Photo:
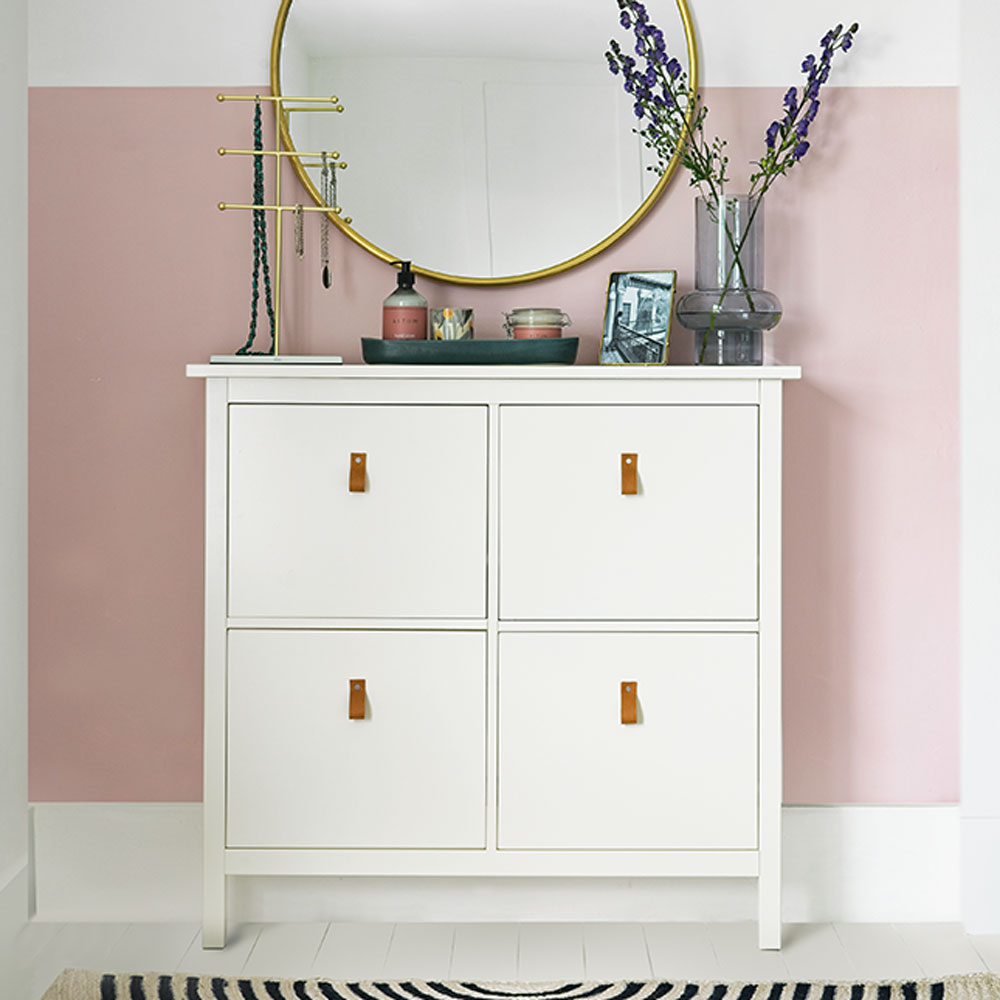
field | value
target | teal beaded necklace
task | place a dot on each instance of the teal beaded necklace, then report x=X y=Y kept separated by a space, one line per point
x=259 y=242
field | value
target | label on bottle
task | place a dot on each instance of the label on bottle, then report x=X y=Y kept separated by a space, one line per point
x=404 y=323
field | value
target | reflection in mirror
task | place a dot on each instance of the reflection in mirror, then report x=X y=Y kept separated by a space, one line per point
x=485 y=141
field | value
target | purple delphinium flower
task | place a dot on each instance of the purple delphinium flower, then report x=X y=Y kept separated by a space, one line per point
x=799 y=116
x=672 y=117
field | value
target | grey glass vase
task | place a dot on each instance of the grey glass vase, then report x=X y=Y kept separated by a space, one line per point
x=729 y=310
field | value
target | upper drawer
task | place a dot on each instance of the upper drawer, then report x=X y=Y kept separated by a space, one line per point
x=575 y=544
x=412 y=543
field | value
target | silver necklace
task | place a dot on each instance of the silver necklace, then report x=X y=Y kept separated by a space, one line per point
x=300 y=242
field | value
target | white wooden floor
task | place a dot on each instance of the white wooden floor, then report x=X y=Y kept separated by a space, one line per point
x=507 y=952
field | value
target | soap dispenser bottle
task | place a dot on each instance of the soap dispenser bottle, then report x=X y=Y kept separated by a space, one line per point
x=404 y=312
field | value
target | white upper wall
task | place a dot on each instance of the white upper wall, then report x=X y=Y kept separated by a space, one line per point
x=13 y=443
x=980 y=463
x=902 y=43
x=130 y=43
x=124 y=43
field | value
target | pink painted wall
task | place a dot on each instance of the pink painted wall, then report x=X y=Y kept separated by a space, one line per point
x=134 y=273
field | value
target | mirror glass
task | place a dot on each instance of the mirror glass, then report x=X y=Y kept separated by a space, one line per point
x=487 y=142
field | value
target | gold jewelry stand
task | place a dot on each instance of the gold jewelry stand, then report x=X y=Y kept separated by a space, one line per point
x=283 y=106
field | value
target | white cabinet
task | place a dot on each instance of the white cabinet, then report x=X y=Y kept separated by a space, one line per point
x=492 y=621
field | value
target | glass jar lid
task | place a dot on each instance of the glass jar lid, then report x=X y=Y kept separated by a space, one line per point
x=537 y=316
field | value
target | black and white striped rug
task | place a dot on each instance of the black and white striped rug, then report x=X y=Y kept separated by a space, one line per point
x=78 y=984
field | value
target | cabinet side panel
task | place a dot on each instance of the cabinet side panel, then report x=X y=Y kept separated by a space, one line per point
x=214 y=765
x=770 y=666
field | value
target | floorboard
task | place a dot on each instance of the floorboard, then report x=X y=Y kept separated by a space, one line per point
x=485 y=951
x=682 y=951
x=153 y=947
x=988 y=949
x=353 y=951
x=878 y=951
x=284 y=951
x=615 y=951
x=941 y=949
x=815 y=951
x=420 y=951
x=228 y=961
x=550 y=951
x=739 y=956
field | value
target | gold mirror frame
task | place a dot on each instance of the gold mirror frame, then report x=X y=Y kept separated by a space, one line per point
x=458 y=279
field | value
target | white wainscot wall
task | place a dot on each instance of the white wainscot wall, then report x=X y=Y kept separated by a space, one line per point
x=198 y=43
x=142 y=861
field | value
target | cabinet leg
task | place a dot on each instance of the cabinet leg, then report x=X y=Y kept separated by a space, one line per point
x=213 y=924
x=769 y=910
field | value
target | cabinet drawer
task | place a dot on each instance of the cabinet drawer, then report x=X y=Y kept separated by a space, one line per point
x=411 y=543
x=573 y=545
x=572 y=775
x=410 y=773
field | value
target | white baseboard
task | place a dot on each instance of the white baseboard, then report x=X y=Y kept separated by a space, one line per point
x=13 y=914
x=981 y=874
x=142 y=861
x=13 y=876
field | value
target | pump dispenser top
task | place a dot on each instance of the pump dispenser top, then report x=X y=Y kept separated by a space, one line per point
x=404 y=312
x=406 y=277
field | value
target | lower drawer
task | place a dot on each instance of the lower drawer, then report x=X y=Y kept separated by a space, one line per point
x=572 y=775
x=411 y=773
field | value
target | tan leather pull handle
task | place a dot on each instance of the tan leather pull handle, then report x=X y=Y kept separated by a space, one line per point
x=630 y=473
x=359 y=462
x=356 y=710
x=630 y=714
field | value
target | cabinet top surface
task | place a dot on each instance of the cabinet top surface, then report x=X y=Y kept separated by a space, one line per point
x=303 y=369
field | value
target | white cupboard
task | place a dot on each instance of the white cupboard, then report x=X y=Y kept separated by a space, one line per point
x=492 y=621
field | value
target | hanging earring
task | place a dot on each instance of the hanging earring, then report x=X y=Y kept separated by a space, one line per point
x=300 y=243
x=327 y=190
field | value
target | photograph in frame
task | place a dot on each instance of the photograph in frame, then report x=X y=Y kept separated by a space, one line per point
x=637 y=318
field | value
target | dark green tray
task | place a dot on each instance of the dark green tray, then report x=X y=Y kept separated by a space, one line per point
x=540 y=351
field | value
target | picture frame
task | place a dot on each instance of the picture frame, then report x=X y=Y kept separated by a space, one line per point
x=637 y=316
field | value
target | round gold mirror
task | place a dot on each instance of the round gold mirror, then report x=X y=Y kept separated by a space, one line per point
x=485 y=142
